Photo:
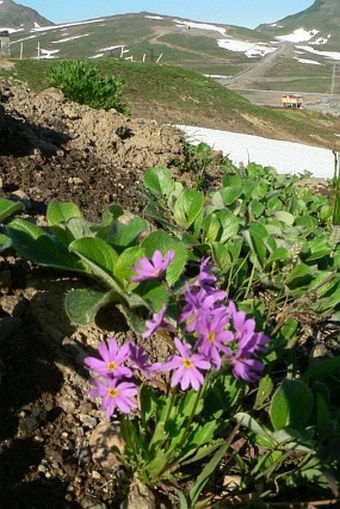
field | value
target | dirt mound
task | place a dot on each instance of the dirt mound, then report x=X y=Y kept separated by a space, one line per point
x=53 y=148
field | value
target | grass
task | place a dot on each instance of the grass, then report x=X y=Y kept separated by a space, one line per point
x=183 y=96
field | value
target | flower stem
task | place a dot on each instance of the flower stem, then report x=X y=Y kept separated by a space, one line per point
x=191 y=418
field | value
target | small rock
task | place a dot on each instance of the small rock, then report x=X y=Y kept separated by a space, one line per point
x=92 y=503
x=102 y=439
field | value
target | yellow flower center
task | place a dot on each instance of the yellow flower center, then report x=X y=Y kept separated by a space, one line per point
x=113 y=393
x=187 y=363
x=111 y=366
x=155 y=272
x=211 y=337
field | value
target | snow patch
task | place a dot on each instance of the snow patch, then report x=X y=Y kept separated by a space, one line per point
x=250 y=49
x=200 y=26
x=99 y=55
x=23 y=39
x=284 y=156
x=66 y=25
x=307 y=61
x=154 y=17
x=67 y=39
x=36 y=25
x=299 y=35
x=11 y=30
x=333 y=55
x=47 y=54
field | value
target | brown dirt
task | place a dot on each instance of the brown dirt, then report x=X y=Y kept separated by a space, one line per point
x=50 y=431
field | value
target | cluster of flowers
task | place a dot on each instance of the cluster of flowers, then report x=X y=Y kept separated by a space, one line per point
x=216 y=334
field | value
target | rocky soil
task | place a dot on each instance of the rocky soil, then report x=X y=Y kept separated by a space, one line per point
x=55 y=443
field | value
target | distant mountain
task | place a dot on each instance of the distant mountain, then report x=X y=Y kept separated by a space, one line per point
x=13 y=15
x=298 y=52
x=318 y=25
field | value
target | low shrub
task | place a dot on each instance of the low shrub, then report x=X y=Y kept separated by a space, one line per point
x=82 y=83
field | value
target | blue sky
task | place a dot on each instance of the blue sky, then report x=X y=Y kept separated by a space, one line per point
x=246 y=13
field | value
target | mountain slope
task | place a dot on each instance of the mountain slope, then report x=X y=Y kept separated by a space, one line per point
x=320 y=22
x=15 y=16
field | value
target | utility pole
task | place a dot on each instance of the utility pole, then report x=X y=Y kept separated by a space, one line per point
x=333 y=80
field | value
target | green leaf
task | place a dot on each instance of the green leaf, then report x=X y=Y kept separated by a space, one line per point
x=123 y=265
x=99 y=256
x=322 y=399
x=5 y=242
x=301 y=275
x=61 y=212
x=154 y=293
x=159 y=180
x=9 y=207
x=164 y=242
x=291 y=405
x=279 y=254
x=82 y=305
x=221 y=255
x=318 y=248
x=256 y=208
x=264 y=391
x=284 y=217
x=112 y=213
x=211 y=228
x=187 y=207
x=229 y=224
x=124 y=235
x=230 y=194
x=320 y=369
x=35 y=245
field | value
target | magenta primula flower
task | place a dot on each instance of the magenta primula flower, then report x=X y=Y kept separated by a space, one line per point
x=139 y=358
x=204 y=277
x=186 y=367
x=245 y=363
x=111 y=360
x=156 y=321
x=114 y=394
x=197 y=302
x=154 y=269
x=213 y=335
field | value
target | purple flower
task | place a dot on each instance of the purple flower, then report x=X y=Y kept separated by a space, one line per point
x=139 y=357
x=112 y=358
x=212 y=335
x=114 y=395
x=186 y=367
x=155 y=322
x=204 y=277
x=154 y=269
x=245 y=363
x=196 y=303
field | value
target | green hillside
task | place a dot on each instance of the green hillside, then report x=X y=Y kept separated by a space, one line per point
x=174 y=95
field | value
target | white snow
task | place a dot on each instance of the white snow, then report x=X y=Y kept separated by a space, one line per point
x=154 y=17
x=307 y=61
x=66 y=25
x=99 y=55
x=320 y=41
x=250 y=49
x=1 y=2
x=200 y=26
x=36 y=25
x=67 y=39
x=11 y=30
x=24 y=39
x=299 y=35
x=46 y=53
x=109 y=48
x=286 y=157
x=333 y=55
